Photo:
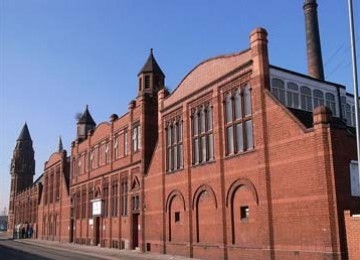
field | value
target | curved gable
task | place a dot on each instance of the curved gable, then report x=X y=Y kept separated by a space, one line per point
x=54 y=158
x=101 y=131
x=206 y=73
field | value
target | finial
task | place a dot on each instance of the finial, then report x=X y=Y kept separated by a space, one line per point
x=87 y=106
x=60 y=145
x=151 y=50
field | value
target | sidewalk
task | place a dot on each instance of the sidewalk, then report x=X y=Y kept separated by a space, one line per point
x=100 y=252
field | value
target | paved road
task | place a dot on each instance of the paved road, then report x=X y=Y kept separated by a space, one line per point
x=41 y=249
x=10 y=249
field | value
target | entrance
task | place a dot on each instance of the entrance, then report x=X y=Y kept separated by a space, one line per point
x=71 y=231
x=135 y=230
x=97 y=231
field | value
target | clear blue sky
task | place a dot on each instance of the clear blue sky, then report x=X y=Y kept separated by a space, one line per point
x=58 y=56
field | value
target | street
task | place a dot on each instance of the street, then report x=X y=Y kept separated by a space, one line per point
x=41 y=249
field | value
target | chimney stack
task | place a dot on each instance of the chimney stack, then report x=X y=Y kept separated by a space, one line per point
x=313 y=45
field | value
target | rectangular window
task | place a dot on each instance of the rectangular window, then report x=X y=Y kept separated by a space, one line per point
x=77 y=205
x=57 y=185
x=126 y=141
x=202 y=137
x=51 y=188
x=116 y=147
x=83 y=203
x=239 y=128
x=147 y=81
x=174 y=147
x=244 y=213
x=107 y=153
x=136 y=138
x=177 y=217
x=106 y=200
x=91 y=197
x=124 y=194
x=46 y=190
x=101 y=154
x=135 y=203
x=114 y=202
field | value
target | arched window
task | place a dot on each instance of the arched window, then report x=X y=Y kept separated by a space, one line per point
x=306 y=99
x=292 y=95
x=247 y=101
x=174 y=148
x=278 y=89
x=330 y=102
x=202 y=136
x=318 y=98
x=239 y=133
x=228 y=108
x=237 y=105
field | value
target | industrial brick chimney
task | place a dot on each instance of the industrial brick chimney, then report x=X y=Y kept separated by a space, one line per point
x=313 y=45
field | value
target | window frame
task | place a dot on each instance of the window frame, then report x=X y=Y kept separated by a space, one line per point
x=232 y=141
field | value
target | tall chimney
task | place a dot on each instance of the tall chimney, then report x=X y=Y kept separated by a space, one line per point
x=313 y=45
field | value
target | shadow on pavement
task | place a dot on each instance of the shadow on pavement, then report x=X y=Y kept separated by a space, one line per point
x=7 y=253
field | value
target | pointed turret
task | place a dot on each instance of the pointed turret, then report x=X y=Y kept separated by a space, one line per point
x=24 y=134
x=85 y=124
x=60 y=145
x=151 y=77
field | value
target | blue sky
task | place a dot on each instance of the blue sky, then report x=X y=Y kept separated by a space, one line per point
x=58 y=56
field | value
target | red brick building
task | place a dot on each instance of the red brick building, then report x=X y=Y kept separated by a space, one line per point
x=54 y=206
x=241 y=161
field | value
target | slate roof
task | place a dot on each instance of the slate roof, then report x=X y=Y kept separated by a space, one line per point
x=24 y=134
x=86 y=117
x=151 y=65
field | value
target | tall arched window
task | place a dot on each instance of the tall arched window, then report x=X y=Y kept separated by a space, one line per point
x=293 y=95
x=306 y=99
x=174 y=147
x=318 y=98
x=278 y=89
x=202 y=136
x=239 y=133
x=331 y=103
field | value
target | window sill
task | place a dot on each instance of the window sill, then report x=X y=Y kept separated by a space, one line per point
x=203 y=164
x=229 y=156
x=175 y=171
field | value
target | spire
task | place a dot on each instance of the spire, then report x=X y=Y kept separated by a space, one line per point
x=86 y=117
x=24 y=135
x=151 y=65
x=60 y=145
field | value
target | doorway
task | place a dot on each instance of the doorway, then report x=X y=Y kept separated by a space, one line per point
x=97 y=231
x=71 y=231
x=135 y=230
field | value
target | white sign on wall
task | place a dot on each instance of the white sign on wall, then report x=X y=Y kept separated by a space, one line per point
x=354 y=179
x=96 y=207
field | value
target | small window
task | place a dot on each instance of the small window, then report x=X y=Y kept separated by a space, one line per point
x=177 y=216
x=244 y=213
x=147 y=81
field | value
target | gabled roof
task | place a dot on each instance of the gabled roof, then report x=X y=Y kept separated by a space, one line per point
x=151 y=65
x=24 y=135
x=86 y=118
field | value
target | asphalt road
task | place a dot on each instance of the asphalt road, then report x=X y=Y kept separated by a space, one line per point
x=10 y=249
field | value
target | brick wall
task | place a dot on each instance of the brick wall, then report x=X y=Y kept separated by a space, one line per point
x=352 y=223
